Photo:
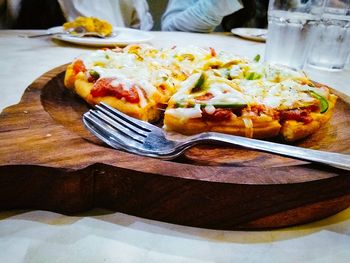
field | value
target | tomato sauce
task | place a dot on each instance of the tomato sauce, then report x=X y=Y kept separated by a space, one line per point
x=78 y=66
x=220 y=114
x=103 y=87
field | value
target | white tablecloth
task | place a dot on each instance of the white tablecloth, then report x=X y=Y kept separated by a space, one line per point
x=106 y=236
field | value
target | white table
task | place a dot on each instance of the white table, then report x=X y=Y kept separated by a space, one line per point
x=105 y=236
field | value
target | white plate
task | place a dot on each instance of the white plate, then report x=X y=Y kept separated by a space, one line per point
x=123 y=36
x=256 y=34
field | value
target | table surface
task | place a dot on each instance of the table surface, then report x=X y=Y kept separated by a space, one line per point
x=106 y=236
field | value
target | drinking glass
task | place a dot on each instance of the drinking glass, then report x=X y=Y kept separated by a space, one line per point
x=331 y=47
x=291 y=30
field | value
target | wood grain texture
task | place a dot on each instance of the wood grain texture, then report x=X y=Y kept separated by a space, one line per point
x=49 y=161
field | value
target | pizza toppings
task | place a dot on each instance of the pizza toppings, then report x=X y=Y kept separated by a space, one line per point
x=93 y=75
x=112 y=87
x=301 y=115
x=218 y=90
x=220 y=114
x=323 y=102
x=206 y=96
x=186 y=113
x=78 y=66
x=212 y=52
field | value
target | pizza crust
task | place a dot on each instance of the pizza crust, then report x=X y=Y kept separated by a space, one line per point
x=69 y=77
x=262 y=128
x=293 y=130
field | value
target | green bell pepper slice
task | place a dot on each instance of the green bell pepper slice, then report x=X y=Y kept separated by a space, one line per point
x=323 y=102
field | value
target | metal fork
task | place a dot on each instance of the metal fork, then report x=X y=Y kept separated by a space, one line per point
x=85 y=34
x=78 y=32
x=132 y=135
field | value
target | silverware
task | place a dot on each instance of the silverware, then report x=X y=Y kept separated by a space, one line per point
x=123 y=132
x=43 y=35
x=259 y=35
x=76 y=32
x=86 y=34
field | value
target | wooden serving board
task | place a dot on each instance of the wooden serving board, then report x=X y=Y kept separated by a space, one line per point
x=49 y=161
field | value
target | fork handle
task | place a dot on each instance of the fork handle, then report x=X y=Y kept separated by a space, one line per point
x=338 y=160
x=43 y=35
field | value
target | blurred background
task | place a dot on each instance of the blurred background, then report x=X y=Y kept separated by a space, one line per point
x=10 y=7
x=157 y=8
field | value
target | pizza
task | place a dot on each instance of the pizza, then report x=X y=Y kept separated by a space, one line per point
x=252 y=100
x=200 y=90
x=88 y=24
x=120 y=78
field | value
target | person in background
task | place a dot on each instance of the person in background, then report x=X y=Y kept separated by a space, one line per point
x=42 y=14
x=209 y=15
x=253 y=14
x=8 y=13
x=197 y=15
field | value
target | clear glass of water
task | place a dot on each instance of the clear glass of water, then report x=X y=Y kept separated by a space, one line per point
x=291 y=30
x=331 y=47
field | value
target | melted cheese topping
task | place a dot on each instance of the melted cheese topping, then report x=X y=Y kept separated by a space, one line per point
x=248 y=123
x=126 y=68
x=229 y=79
x=284 y=95
x=252 y=83
x=186 y=113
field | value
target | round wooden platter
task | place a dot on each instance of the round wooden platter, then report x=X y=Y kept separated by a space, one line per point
x=49 y=161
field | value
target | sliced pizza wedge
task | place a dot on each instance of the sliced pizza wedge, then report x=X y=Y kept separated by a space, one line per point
x=210 y=103
x=256 y=104
x=119 y=78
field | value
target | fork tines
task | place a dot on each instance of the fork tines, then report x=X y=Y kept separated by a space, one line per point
x=142 y=125
x=115 y=127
